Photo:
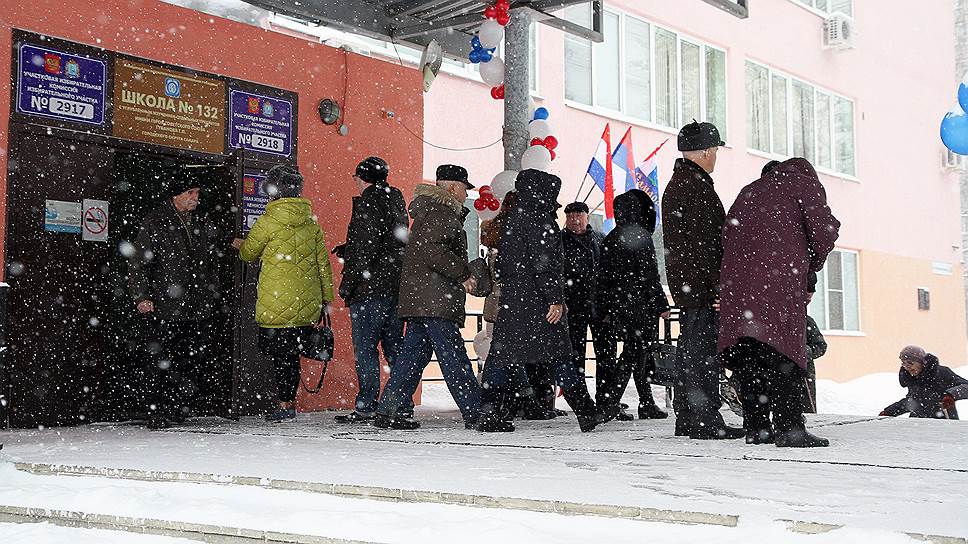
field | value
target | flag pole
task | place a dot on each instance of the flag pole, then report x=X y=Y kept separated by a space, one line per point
x=589 y=193
x=582 y=186
x=600 y=204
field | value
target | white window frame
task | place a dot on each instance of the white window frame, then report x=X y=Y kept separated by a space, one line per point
x=809 y=6
x=817 y=89
x=826 y=307
x=621 y=115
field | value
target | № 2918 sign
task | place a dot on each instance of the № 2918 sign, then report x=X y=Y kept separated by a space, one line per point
x=260 y=123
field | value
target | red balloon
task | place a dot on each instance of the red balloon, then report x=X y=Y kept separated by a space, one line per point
x=485 y=190
x=496 y=93
x=503 y=18
x=491 y=12
x=550 y=142
x=537 y=141
x=480 y=205
x=494 y=205
x=503 y=5
x=553 y=154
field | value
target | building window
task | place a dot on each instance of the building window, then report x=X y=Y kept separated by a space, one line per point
x=648 y=73
x=924 y=299
x=836 y=304
x=830 y=6
x=788 y=117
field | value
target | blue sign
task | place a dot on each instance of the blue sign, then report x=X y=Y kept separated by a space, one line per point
x=254 y=200
x=260 y=123
x=60 y=85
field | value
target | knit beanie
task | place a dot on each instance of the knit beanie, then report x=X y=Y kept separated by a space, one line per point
x=283 y=181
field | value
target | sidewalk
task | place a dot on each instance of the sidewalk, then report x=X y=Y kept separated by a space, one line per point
x=898 y=475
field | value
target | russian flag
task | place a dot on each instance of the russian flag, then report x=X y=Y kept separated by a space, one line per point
x=647 y=177
x=600 y=170
x=623 y=168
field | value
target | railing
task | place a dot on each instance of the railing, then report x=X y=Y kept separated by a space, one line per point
x=469 y=332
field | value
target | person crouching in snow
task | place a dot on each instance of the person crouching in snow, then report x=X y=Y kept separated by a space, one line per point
x=932 y=387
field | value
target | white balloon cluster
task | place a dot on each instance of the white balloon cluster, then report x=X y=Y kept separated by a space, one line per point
x=542 y=149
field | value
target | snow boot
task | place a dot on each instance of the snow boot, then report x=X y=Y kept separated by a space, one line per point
x=588 y=415
x=398 y=423
x=760 y=436
x=716 y=432
x=800 y=438
x=651 y=411
x=494 y=412
x=683 y=426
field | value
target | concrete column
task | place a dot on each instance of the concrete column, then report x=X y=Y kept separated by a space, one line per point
x=517 y=89
x=961 y=66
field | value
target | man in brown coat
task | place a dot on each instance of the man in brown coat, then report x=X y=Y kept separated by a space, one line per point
x=779 y=230
x=692 y=219
x=433 y=288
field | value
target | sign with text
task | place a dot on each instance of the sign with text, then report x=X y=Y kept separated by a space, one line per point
x=62 y=216
x=254 y=200
x=161 y=106
x=260 y=123
x=59 y=85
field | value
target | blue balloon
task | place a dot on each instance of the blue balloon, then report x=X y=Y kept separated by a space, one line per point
x=476 y=43
x=541 y=113
x=486 y=56
x=954 y=132
x=475 y=56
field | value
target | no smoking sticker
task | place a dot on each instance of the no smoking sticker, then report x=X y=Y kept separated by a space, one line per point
x=94 y=220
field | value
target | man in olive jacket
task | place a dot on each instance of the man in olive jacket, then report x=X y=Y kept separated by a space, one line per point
x=372 y=257
x=692 y=217
x=172 y=278
x=433 y=288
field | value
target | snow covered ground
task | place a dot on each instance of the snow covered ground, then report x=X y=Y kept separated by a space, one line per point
x=880 y=478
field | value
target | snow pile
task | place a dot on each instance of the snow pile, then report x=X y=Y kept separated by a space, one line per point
x=45 y=533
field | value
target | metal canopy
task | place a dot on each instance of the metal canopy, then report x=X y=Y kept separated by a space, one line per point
x=416 y=22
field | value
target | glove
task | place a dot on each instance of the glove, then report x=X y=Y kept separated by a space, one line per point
x=884 y=414
x=948 y=402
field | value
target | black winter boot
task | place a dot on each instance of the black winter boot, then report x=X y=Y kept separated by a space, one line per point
x=800 y=438
x=494 y=417
x=398 y=423
x=584 y=407
x=760 y=436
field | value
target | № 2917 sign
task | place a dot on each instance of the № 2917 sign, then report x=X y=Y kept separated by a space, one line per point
x=260 y=123
x=59 y=85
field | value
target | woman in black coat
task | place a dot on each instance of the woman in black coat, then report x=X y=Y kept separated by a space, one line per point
x=532 y=326
x=630 y=295
x=932 y=387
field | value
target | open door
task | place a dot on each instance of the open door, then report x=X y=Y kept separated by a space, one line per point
x=58 y=292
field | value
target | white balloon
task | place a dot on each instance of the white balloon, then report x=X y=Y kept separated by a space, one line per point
x=493 y=72
x=537 y=157
x=503 y=184
x=540 y=129
x=491 y=34
x=487 y=214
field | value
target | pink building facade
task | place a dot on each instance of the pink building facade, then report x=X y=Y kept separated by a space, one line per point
x=867 y=116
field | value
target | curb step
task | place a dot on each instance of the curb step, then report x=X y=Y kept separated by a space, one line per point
x=210 y=534
x=236 y=535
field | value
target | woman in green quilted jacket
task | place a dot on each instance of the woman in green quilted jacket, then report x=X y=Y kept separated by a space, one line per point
x=295 y=283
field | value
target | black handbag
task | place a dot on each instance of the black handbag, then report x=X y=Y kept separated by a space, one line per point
x=664 y=357
x=318 y=345
x=481 y=272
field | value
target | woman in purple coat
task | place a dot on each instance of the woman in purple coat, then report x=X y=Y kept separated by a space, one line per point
x=778 y=230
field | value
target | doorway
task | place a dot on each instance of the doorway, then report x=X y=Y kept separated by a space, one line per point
x=80 y=351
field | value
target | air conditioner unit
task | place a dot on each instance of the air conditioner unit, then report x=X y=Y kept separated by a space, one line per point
x=838 y=32
x=952 y=161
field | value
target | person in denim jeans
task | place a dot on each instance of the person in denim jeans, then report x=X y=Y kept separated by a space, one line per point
x=374 y=322
x=433 y=290
x=372 y=257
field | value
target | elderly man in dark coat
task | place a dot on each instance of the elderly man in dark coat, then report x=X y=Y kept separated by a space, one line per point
x=778 y=230
x=692 y=219
x=631 y=298
x=532 y=326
